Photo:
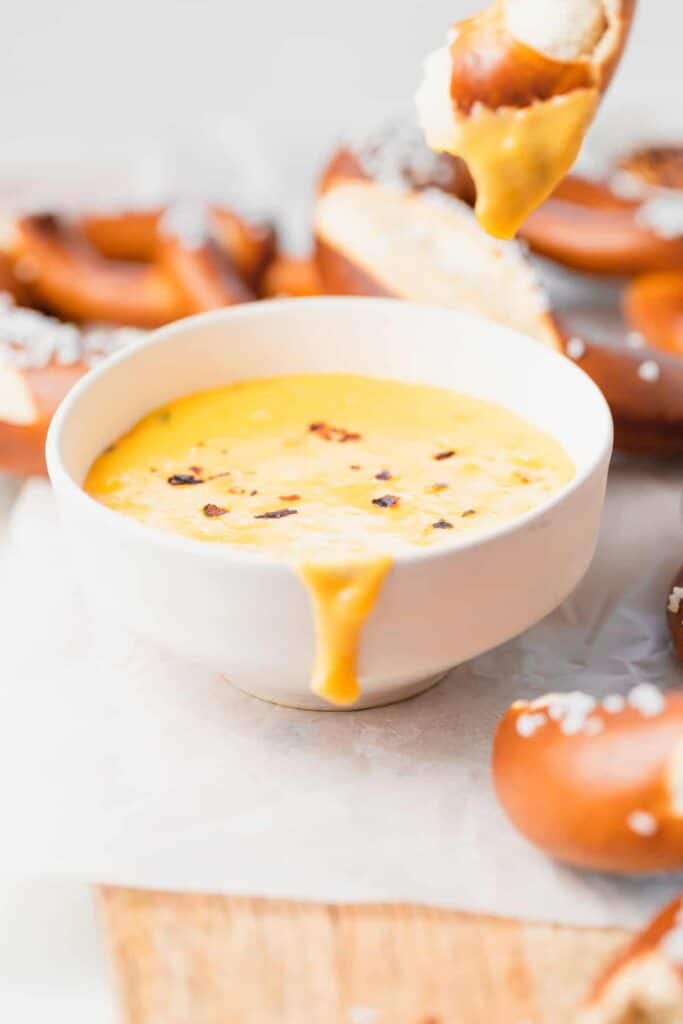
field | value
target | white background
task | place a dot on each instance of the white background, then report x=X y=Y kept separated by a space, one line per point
x=201 y=78
x=84 y=77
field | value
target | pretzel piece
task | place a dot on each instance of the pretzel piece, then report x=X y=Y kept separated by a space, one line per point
x=597 y=784
x=644 y=983
x=514 y=93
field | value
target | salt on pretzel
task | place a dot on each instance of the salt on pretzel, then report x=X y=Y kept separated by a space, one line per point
x=652 y=167
x=373 y=239
x=643 y=388
x=596 y=784
x=514 y=93
x=144 y=268
x=644 y=983
x=77 y=283
x=41 y=358
x=292 y=278
x=674 y=612
x=587 y=226
x=133 y=235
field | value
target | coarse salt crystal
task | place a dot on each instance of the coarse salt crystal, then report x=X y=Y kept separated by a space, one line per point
x=576 y=348
x=643 y=823
x=663 y=215
x=647 y=699
x=614 y=703
x=649 y=371
x=529 y=723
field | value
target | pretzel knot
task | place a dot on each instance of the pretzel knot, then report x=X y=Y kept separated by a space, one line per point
x=140 y=268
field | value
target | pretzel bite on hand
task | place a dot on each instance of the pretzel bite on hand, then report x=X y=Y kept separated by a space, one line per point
x=644 y=984
x=514 y=93
x=597 y=784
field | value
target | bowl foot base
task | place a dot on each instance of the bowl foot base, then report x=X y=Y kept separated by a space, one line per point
x=394 y=695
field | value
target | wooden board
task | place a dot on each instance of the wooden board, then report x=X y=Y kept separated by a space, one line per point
x=188 y=959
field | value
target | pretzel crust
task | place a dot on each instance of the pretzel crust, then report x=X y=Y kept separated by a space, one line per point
x=653 y=306
x=588 y=227
x=596 y=784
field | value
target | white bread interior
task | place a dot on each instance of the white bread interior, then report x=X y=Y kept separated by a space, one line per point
x=428 y=247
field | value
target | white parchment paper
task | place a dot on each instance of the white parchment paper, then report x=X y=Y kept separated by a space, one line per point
x=119 y=764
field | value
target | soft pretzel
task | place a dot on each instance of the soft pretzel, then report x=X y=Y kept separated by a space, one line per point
x=133 y=235
x=200 y=268
x=674 y=611
x=76 y=283
x=189 y=270
x=514 y=93
x=597 y=784
x=653 y=306
x=41 y=358
x=289 y=277
x=644 y=984
x=373 y=239
x=396 y=155
x=588 y=226
x=643 y=388
x=653 y=167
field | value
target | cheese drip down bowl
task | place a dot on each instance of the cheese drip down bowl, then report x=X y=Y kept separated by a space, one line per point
x=253 y=617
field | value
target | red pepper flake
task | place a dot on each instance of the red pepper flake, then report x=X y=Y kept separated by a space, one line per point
x=328 y=433
x=196 y=470
x=384 y=475
x=387 y=501
x=218 y=476
x=442 y=524
x=252 y=494
x=441 y=456
x=183 y=480
x=522 y=477
x=436 y=488
x=214 y=511
x=355 y=468
x=468 y=512
x=279 y=513
x=290 y=497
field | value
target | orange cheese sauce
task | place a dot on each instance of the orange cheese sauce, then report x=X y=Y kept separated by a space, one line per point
x=337 y=474
x=518 y=157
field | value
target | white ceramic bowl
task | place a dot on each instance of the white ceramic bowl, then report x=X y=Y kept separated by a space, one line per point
x=248 y=616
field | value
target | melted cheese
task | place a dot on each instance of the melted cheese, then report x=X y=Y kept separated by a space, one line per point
x=337 y=474
x=516 y=156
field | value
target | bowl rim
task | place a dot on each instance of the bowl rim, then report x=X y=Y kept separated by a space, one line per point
x=63 y=481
